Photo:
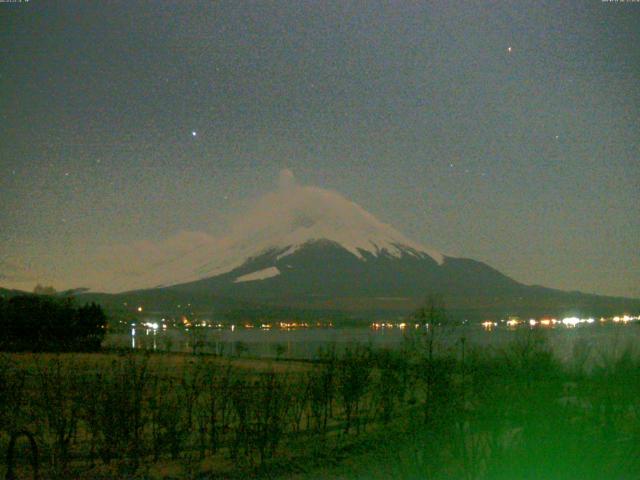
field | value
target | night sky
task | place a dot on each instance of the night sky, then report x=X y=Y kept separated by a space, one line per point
x=508 y=132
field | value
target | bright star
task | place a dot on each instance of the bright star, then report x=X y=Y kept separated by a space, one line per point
x=194 y=133
x=509 y=49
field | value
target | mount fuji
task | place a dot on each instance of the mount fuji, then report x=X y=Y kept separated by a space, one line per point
x=304 y=247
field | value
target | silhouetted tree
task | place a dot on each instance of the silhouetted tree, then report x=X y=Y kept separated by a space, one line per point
x=39 y=322
x=432 y=316
x=43 y=290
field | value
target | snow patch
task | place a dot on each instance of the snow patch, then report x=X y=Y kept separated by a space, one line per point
x=258 y=275
x=287 y=252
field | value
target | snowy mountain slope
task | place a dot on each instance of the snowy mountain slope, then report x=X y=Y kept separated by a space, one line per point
x=263 y=274
x=295 y=215
x=326 y=268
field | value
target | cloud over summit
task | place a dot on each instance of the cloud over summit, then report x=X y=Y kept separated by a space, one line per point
x=289 y=216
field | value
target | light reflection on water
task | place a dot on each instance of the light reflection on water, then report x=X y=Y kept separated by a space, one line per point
x=305 y=343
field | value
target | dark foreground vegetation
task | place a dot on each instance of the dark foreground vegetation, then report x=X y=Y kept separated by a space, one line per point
x=50 y=323
x=415 y=413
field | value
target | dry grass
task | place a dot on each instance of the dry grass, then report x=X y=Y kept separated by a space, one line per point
x=517 y=413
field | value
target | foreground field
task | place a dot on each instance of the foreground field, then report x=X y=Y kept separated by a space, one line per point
x=420 y=412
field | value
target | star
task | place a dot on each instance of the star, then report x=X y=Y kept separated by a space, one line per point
x=509 y=49
x=193 y=133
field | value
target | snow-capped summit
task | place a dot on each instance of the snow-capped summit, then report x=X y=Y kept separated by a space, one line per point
x=295 y=215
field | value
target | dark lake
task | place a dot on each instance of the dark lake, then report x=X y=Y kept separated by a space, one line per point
x=597 y=338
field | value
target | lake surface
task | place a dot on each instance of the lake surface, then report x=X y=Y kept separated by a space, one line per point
x=305 y=343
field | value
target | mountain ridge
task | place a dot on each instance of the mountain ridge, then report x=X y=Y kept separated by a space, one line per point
x=306 y=247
